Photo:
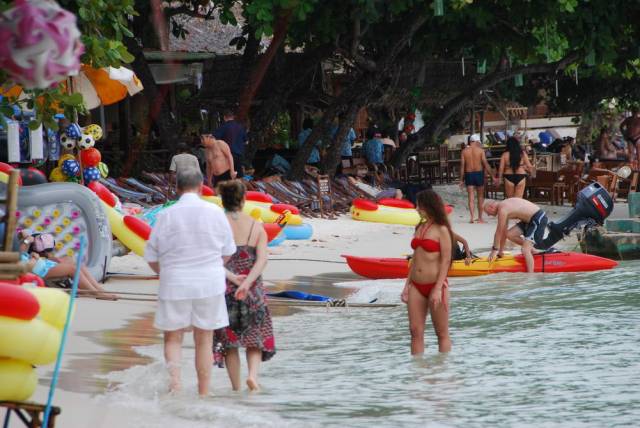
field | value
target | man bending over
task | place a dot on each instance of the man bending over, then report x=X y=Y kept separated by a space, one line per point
x=527 y=233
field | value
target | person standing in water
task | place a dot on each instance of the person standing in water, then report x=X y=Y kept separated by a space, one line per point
x=473 y=165
x=426 y=287
x=250 y=323
x=187 y=248
x=220 y=165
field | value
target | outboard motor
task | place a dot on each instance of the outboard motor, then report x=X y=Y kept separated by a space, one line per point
x=593 y=206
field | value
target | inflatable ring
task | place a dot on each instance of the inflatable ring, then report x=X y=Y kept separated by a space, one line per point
x=54 y=305
x=396 y=203
x=254 y=196
x=18 y=380
x=34 y=341
x=207 y=191
x=138 y=227
x=365 y=204
x=16 y=302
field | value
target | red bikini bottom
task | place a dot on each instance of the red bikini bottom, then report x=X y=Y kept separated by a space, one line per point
x=425 y=290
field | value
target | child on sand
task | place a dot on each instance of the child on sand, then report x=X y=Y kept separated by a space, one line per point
x=39 y=248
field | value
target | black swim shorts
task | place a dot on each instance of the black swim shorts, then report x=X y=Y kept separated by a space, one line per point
x=534 y=230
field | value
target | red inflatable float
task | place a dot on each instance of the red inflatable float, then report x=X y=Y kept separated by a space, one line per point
x=252 y=195
x=365 y=204
x=272 y=230
x=16 y=302
x=6 y=168
x=396 y=203
x=138 y=226
x=280 y=208
x=207 y=191
x=103 y=193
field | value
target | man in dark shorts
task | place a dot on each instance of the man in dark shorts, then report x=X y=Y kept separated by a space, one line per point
x=630 y=128
x=473 y=164
x=528 y=232
x=235 y=135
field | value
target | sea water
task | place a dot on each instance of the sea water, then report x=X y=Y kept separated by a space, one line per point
x=539 y=350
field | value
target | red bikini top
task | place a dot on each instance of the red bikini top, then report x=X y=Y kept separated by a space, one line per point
x=429 y=245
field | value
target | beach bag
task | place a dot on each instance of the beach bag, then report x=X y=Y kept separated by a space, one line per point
x=43 y=242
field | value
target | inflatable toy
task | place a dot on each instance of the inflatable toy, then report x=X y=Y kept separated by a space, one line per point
x=68 y=211
x=90 y=157
x=32 y=176
x=17 y=302
x=73 y=131
x=57 y=175
x=85 y=142
x=71 y=168
x=207 y=191
x=104 y=169
x=31 y=321
x=94 y=130
x=66 y=142
x=103 y=193
x=18 y=380
x=297 y=232
x=64 y=158
x=267 y=213
x=39 y=43
x=5 y=168
x=91 y=174
x=254 y=196
x=138 y=226
x=390 y=268
x=279 y=239
x=399 y=212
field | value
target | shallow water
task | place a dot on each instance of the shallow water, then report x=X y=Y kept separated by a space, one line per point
x=538 y=350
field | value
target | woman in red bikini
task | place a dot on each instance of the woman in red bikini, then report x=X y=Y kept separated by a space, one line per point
x=426 y=286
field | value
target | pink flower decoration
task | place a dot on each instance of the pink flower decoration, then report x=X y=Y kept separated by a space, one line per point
x=47 y=221
x=39 y=43
x=76 y=230
x=75 y=214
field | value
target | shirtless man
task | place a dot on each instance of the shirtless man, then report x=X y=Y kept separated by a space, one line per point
x=527 y=233
x=630 y=128
x=219 y=160
x=473 y=164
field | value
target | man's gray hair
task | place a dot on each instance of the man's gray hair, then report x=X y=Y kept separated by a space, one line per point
x=189 y=178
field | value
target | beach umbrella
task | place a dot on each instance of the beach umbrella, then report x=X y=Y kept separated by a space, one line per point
x=98 y=86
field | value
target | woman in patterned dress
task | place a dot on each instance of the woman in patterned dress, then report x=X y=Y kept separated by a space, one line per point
x=250 y=324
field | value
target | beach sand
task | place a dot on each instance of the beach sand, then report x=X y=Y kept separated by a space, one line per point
x=103 y=334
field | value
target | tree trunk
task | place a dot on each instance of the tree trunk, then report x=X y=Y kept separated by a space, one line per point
x=333 y=154
x=257 y=75
x=429 y=133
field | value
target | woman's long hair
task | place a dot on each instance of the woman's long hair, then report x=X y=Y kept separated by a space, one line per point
x=432 y=204
x=515 y=153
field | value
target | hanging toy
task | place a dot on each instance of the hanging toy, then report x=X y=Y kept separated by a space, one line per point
x=104 y=169
x=57 y=175
x=73 y=131
x=66 y=157
x=71 y=168
x=91 y=174
x=39 y=43
x=90 y=157
x=85 y=142
x=94 y=130
x=66 y=142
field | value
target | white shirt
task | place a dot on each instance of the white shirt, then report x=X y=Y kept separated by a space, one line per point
x=189 y=240
x=184 y=161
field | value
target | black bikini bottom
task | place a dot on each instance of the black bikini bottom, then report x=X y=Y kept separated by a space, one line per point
x=515 y=178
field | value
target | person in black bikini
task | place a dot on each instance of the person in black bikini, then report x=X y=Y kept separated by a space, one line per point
x=514 y=164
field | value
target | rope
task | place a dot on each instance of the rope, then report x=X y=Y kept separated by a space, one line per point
x=310 y=260
x=65 y=331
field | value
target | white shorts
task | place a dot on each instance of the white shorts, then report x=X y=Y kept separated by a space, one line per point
x=209 y=313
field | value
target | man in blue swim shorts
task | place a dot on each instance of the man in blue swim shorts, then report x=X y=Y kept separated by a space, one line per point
x=473 y=164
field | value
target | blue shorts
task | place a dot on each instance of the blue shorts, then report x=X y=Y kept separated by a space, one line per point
x=475 y=178
x=43 y=266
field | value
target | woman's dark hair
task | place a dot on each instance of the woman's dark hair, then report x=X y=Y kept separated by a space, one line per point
x=515 y=153
x=429 y=201
x=307 y=123
x=232 y=194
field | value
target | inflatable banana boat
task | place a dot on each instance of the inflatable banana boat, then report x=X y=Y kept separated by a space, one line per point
x=31 y=323
x=390 y=211
x=391 y=268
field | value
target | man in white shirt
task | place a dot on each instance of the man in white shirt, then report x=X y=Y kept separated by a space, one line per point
x=188 y=247
x=181 y=161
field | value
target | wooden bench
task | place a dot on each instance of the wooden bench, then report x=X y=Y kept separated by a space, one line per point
x=31 y=414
